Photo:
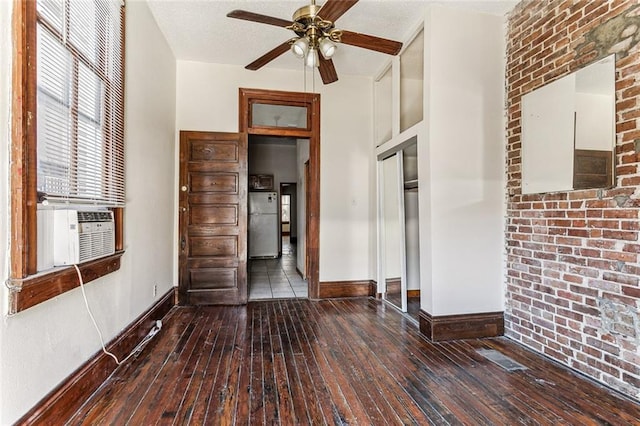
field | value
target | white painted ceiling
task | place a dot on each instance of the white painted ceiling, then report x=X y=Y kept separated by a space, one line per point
x=199 y=30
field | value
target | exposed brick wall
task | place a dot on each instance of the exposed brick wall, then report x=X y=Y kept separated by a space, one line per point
x=573 y=275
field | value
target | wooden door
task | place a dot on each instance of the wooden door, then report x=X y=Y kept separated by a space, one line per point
x=213 y=218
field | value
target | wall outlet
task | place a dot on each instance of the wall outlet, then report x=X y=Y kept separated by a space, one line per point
x=155 y=290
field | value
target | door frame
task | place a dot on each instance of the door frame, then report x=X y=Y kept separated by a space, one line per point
x=311 y=101
x=306 y=212
x=294 y=208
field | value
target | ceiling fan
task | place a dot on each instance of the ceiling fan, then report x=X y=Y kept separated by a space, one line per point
x=316 y=36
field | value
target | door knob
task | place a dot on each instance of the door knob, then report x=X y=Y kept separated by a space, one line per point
x=184 y=188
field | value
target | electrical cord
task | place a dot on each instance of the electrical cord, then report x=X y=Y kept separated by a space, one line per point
x=156 y=328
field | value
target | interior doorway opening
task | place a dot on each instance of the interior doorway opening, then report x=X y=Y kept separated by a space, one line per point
x=277 y=215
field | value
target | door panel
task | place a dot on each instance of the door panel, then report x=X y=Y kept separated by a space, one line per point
x=214 y=182
x=220 y=215
x=214 y=278
x=213 y=218
x=221 y=151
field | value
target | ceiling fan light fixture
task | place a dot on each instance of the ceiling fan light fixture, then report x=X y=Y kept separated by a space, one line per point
x=300 y=47
x=312 y=60
x=327 y=47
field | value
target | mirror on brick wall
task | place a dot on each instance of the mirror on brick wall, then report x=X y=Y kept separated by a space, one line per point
x=568 y=131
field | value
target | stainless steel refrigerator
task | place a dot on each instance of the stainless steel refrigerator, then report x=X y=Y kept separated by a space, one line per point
x=263 y=224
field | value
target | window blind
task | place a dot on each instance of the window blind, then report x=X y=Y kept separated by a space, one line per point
x=80 y=106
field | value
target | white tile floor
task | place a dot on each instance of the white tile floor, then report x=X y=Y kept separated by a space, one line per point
x=277 y=278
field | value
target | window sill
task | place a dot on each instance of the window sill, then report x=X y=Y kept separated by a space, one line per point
x=32 y=290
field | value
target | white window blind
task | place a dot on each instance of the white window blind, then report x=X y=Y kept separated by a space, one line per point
x=80 y=108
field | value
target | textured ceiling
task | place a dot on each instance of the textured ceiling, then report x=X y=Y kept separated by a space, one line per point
x=199 y=30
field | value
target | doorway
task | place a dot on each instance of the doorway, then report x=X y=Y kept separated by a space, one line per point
x=276 y=164
x=297 y=116
x=289 y=211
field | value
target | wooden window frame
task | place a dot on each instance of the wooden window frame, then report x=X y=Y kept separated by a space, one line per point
x=27 y=287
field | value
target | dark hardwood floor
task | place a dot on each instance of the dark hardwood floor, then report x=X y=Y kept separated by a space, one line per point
x=336 y=362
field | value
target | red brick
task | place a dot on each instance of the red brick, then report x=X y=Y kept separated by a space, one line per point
x=620 y=278
x=620 y=235
x=621 y=214
x=628 y=225
x=604 y=224
x=622 y=257
x=575 y=235
x=584 y=290
x=631 y=248
x=631 y=291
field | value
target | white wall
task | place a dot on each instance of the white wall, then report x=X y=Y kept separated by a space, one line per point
x=41 y=346
x=277 y=159
x=5 y=104
x=207 y=100
x=465 y=79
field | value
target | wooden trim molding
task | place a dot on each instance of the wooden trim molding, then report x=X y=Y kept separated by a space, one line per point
x=27 y=292
x=23 y=141
x=58 y=406
x=413 y=293
x=374 y=290
x=335 y=289
x=464 y=326
x=312 y=102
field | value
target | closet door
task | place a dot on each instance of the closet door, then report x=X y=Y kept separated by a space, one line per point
x=412 y=227
x=392 y=231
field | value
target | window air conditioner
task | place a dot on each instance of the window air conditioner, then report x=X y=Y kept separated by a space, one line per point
x=80 y=236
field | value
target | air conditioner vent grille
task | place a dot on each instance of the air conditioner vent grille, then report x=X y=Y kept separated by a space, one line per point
x=97 y=216
x=96 y=240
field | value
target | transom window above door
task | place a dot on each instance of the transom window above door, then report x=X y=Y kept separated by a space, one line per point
x=281 y=116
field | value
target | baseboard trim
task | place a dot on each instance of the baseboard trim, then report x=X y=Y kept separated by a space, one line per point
x=336 y=289
x=374 y=290
x=68 y=397
x=464 y=326
x=300 y=273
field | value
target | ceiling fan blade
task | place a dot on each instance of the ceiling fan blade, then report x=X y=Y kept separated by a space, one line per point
x=333 y=9
x=390 y=47
x=256 y=17
x=269 y=56
x=327 y=71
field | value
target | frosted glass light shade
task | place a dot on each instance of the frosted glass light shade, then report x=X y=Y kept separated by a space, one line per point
x=327 y=48
x=312 y=59
x=300 y=47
